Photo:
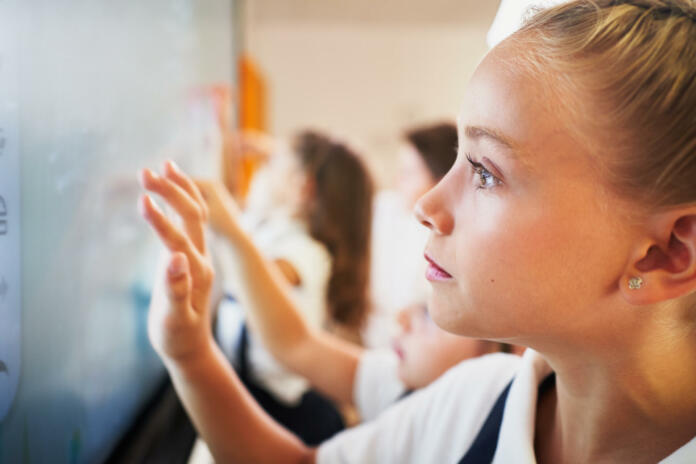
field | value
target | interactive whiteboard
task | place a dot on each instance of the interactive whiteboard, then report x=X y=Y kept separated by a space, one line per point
x=90 y=91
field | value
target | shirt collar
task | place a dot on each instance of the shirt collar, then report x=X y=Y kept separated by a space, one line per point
x=516 y=439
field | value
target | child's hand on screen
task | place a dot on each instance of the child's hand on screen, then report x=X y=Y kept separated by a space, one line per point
x=255 y=144
x=223 y=212
x=179 y=323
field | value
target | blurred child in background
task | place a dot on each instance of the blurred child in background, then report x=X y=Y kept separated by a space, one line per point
x=378 y=378
x=309 y=213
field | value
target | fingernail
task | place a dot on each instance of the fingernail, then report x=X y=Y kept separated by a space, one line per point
x=178 y=265
x=142 y=207
x=174 y=167
x=147 y=205
x=147 y=176
x=141 y=177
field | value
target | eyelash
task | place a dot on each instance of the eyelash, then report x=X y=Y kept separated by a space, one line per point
x=483 y=174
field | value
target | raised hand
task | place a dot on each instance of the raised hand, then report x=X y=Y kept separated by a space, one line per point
x=235 y=428
x=254 y=143
x=179 y=322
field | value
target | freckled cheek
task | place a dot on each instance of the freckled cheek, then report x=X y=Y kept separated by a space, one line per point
x=509 y=249
x=526 y=254
x=487 y=240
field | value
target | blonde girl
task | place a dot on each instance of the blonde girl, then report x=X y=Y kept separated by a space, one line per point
x=567 y=224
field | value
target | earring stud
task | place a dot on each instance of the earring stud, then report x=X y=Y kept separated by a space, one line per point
x=634 y=283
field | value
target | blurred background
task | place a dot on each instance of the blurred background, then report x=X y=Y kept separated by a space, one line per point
x=365 y=70
x=91 y=91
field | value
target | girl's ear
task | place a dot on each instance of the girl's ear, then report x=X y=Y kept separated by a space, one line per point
x=664 y=267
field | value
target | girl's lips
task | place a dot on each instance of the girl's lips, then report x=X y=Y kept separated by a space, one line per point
x=435 y=272
x=398 y=350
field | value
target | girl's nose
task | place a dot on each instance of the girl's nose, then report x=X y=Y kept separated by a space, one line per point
x=431 y=211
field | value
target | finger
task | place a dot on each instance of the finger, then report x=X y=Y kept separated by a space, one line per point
x=178 y=283
x=257 y=142
x=177 y=242
x=182 y=202
x=173 y=238
x=235 y=145
x=176 y=175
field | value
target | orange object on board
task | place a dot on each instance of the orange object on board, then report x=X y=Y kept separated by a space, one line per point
x=252 y=115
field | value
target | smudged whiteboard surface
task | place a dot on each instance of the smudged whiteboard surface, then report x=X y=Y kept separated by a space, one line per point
x=100 y=89
x=10 y=264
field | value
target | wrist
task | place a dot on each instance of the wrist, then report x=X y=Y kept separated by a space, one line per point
x=193 y=363
x=240 y=240
x=231 y=229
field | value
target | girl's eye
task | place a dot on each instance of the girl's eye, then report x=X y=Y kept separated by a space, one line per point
x=486 y=179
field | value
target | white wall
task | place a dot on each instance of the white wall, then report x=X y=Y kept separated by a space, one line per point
x=363 y=69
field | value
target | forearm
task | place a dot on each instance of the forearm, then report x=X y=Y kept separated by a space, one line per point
x=231 y=167
x=233 y=425
x=228 y=419
x=330 y=364
x=326 y=361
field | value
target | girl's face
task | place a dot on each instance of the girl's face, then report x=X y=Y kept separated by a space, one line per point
x=426 y=351
x=280 y=185
x=531 y=244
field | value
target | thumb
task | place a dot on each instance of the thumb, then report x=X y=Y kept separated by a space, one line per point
x=178 y=283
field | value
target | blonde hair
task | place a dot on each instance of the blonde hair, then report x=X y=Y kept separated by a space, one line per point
x=634 y=63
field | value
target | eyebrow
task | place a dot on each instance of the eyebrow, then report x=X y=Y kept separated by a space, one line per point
x=478 y=132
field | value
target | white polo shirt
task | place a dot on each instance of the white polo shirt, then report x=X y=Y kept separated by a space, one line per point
x=377 y=385
x=439 y=423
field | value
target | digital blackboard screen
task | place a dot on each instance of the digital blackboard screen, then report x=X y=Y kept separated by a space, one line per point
x=90 y=91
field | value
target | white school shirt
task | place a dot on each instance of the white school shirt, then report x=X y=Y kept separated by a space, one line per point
x=277 y=237
x=439 y=423
x=377 y=385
